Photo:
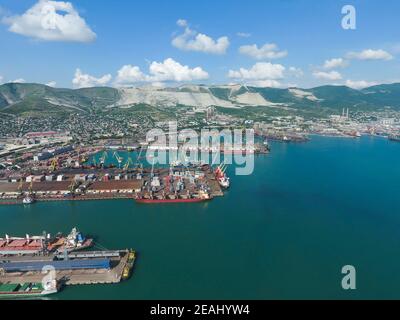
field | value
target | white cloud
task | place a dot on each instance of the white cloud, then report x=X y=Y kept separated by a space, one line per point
x=182 y=23
x=265 y=83
x=296 y=72
x=170 y=70
x=1 y=79
x=267 y=51
x=159 y=72
x=191 y=40
x=335 y=63
x=20 y=80
x=370 y=54
x=51 y=21
x=82 y=80
x=129 y=74
x=243 y=34
x=264 y=74
x=360 y=84
x=51 y=84
x=332 y=75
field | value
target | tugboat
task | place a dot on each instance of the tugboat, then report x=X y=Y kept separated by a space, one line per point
x=129 y=265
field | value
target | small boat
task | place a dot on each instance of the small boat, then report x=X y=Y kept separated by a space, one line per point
x=28 y=200
x=129 y=265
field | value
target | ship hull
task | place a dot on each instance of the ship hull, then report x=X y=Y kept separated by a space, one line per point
x=155 y=201
x=24 y=295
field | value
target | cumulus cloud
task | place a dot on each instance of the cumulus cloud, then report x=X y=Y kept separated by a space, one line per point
x=19 y=80
x=182 y=23
x=51 y=21
x=82 y=80
x=263 y=74
x=335 y=63
x=332 y=75
x=167 y=71
x=370 y=54
x=51 y=84
x=129 y=74
x=1 y=79
x=170 y=70
x=243 y=34
x=260 y=71
x=267 y=51
x=360 y=84
x=191 y=40
x=296 y=72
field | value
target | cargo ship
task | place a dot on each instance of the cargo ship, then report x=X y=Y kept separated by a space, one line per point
x=27 y=290
x=36 y=245
x=221 y=177
x=201 y=197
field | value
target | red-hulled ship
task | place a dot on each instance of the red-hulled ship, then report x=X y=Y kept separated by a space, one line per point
x=221 y=177
x=200 y=197
x=34 y=245
x=154 y=201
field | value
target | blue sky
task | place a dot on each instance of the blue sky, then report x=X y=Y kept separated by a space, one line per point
x=101 y=38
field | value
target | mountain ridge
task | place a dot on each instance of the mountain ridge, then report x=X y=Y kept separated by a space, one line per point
x=32 y=98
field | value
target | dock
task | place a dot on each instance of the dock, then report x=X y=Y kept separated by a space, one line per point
x=77 y=277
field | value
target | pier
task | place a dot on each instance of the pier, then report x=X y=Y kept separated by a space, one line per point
x=77 y=277
x=111 y=183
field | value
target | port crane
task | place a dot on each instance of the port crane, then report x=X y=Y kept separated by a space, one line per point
x=53 y=165
x=103 y=158
x=138 y=164
x=72 y=187
x=20 y=186
x=128 y=163
x=119 y=159
x=31 y=187
x=152 y=169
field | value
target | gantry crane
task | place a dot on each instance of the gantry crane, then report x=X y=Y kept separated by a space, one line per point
x=53 y=165
x=119 y=159
x=128 y=163
x=103 y=158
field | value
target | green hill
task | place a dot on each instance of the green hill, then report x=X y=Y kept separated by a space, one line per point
x=30 y=99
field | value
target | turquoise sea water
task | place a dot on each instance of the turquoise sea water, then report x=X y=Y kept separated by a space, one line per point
x=283 y=232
